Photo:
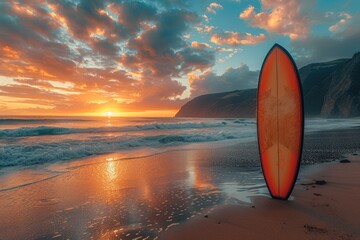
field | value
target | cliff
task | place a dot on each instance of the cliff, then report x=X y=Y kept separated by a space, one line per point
x=331 y=89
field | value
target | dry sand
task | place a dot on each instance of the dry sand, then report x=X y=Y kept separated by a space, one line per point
x=317 y=210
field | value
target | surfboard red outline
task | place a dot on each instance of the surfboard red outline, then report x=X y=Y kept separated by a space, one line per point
x=275 y=193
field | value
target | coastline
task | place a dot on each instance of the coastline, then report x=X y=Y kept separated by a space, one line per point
x=116 y=196
x=317 y=210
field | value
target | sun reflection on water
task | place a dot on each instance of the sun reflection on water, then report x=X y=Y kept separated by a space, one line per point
x=110 y=169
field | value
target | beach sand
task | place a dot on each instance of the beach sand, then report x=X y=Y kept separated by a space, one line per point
x=317 y=210
x=168 y=194
x=105 y=198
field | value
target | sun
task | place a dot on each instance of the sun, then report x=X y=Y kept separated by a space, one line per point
x=108 y=114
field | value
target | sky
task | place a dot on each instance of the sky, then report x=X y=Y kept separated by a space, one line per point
x=149 y=57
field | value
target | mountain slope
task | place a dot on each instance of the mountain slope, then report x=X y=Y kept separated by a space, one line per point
x=229 y=104
x=330 y=89
x=343 y=95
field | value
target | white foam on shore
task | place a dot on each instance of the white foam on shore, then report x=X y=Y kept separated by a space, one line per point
x=49 y=130
x=35 y=145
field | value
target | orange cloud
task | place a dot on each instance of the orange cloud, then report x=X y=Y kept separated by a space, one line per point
x=205 y=29
x=345 y=18
x=10 y=53
x=283 y=17
x=84 y=57
x=237 y=39
x=196 y=44
x=213 y=7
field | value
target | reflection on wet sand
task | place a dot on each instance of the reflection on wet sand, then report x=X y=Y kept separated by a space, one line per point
x=127 y=199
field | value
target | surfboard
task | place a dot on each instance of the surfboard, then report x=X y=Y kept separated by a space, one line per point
x=280 y=121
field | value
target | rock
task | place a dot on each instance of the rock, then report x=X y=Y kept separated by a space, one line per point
x=320 y=182
x=345 y=161
x=311 y=228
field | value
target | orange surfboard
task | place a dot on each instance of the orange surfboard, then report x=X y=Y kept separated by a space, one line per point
x=280 y=121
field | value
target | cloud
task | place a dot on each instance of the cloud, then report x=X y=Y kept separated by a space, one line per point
x=199 y=58
x=344 y=20
x=105 y=47
x=196 y=44
x=204 y=29
x=84 y=18
x=29 y=92
x=232 y=79
x=342 y=44
x=132 y=14
x=236 y=39
x=213 y=7
x=205 y=17
x=230 y=53
x=278 y=16
x=105 y=54
x=322 y=49
x=162 y=52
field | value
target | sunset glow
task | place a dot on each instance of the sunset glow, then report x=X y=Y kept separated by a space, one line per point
x=148 y=58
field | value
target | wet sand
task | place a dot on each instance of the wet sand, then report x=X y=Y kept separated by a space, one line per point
x=129 y=199
x=146 y=197
x=325 y=205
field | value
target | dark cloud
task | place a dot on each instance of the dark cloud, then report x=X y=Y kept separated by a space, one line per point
x=165 y=51
x=91 y=7
x=167 y=36
x=196 y=58
x=232 y=79
x=19 y=29
x=84 y=18
x=132 y=13
x=105 y=47
x=341 y=44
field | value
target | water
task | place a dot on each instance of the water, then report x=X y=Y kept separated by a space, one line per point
x=159 y=172
x=28 y=141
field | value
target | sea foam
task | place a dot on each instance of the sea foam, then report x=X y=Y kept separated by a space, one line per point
x=48 y=130
x=42 y=144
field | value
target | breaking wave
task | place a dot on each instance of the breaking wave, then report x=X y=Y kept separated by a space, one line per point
x=47 y=130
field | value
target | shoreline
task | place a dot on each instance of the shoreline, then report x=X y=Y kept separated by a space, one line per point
x=323 y=205
x=51 y=168
x=309 y=130
x=142 y=197
x=54 y=169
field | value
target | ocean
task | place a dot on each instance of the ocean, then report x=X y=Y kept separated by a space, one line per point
x=26 y=141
